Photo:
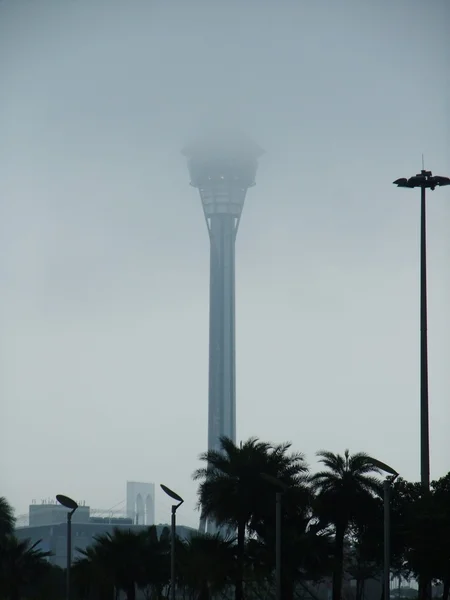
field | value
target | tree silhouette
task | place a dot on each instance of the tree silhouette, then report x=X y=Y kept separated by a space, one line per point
x=123 y=560
x=21 y=564
x=206 y=564
x=7 y=520
x=231 y=489
x=346 y=483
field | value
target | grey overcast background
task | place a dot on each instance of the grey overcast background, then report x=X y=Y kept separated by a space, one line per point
x=104 y=250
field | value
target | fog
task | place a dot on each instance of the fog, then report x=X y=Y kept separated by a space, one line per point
x=104 y=250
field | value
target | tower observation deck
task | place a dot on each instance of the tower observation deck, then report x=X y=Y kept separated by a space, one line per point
x=222 y=171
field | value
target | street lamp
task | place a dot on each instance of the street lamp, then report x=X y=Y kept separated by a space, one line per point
x=387 y=522
x=282 y=487
x=72 y=506
x=173 y=526
x=423 y=180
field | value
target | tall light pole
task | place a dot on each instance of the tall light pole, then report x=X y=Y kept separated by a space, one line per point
x=222 y=170
x=423 y=180
x=173 y=531
x=72 y=506
x=392 y=476
x=281 y=488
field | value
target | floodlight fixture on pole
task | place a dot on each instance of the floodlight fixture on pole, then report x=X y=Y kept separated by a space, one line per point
x=281 y=488
x=387 y=483
x=423 y=180
x=173 y=529
x=72 y=506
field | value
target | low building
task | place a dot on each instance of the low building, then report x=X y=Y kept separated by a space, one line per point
x=47 y=523
x=51 y=512
x=53 y=538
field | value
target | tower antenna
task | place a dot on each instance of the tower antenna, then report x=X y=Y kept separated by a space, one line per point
x=423 y=163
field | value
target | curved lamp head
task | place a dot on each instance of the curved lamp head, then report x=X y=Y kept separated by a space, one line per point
x=383 y=466
x=171 y=493
x=66 y=501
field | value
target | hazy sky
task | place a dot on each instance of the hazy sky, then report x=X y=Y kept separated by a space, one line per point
x=104 y=249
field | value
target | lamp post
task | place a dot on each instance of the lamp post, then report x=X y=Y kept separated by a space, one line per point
x=423 y=180
x=173 y=526
x=282 y=487
x=392 y=476
x=72 y=506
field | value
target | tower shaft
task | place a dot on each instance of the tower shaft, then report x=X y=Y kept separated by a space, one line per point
x=222 y=352
x=222 y=171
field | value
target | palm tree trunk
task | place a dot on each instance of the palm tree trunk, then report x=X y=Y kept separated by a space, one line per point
x=307 y=587
x=339 y=562
x=424 y=588
x=446 y=590
x=131 y=592
x=358 y=588
x=14 y=593
x=204 y=592
x=239 y=584
x=288 y=589
x=103 y=592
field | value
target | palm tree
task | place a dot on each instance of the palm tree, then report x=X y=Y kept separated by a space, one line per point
x=21 y=564
x=232 y=490
x=124 y=560
x=425 y=516
x=206 y=564
x=155 y=573
x=116 y=557
x=91 y=576
x=306 y=548
x=7 y=520
x=342 y=488
x=365 y=556
x=51 y=586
